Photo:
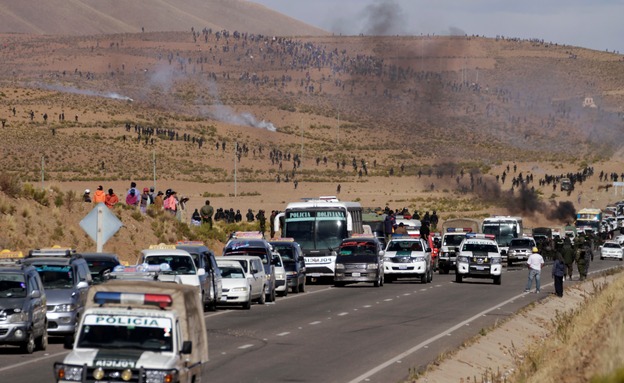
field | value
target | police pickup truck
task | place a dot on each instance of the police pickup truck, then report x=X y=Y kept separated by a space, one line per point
x=138 y=331
x=479 y=257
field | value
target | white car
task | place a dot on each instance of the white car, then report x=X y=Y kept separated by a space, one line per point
x=479 y=257
x=281 y=285
x=407 y=257
x=235 y=285
x=619 y=239
x=611 y=249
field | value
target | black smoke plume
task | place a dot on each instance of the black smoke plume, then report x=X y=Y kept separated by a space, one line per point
x=384 y=17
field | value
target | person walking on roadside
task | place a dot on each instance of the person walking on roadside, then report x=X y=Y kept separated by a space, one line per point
x=111 y=199
x=568 y=256
x=558 y=272
x=534 y=263
x=206 y=213
x=99 y=195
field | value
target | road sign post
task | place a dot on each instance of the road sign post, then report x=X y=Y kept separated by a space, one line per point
x=100 y=224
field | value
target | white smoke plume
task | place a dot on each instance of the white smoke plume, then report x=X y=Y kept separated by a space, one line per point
x=83 y=92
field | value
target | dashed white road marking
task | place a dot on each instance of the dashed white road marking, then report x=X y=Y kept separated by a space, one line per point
x=315 y=322
x=343 y=314
x=283 y=333
x=367 y=306
x=388 y=300
x=245 y=346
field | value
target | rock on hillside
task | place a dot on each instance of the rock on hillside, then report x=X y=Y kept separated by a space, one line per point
x=88 y=17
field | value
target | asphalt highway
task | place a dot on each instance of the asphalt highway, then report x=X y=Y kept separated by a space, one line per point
x=356 y=333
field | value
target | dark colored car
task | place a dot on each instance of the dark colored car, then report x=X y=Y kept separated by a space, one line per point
x=294 y=263
x=100 y=265
x=359 y=259
x=204 y=258
x=66 y=279
x=22 y=306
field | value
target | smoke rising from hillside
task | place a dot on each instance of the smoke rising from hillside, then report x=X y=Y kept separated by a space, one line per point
x=83 y=92
x=384 y=17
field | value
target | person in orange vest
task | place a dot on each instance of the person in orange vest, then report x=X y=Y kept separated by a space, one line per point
x=99 y=195
x=111 y=199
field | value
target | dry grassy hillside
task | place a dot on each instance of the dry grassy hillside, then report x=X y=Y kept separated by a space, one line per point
x=91 y=17
x=427 y=121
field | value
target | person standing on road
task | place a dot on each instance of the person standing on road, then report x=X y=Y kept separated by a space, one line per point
x=558 y=273
x=568 y=256
x=534 y=263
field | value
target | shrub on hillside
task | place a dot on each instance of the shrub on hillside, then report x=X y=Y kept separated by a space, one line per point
x=10 y=185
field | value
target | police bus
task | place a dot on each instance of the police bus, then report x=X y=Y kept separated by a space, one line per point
x=319 y=226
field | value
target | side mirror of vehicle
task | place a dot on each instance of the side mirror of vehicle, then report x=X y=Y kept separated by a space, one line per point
x=201 y=271
x=82 y=285
x=68 y=342
x=381 y=253
x=35 y=294
x=187 y=347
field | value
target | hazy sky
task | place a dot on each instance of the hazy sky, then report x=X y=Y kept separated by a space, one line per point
x=595 y=24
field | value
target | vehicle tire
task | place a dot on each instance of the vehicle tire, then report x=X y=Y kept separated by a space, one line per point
x=430 y=279
x=29 y=345
x=247 y=305
x=424 y=278
x=388 y=278
x=295 y=288
x=262 y=299
x=377 y=282
x=339 y=284
x=302 y=286
x=509 y=263
x=498 y=279
x=42 y=342
x=458 y=277
x=271 y=296
x=602 y=258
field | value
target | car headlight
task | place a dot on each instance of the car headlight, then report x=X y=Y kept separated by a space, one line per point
x=65 y=372
x=291 y=273
x=418 y=259
x=18 y=316
x=238 y=289
x=463 y=259
x=161 y=376
x=372 y=266
x=339 y=266
x=280 y=276
x=268 y=276
x=65 y=308
x=495 y=260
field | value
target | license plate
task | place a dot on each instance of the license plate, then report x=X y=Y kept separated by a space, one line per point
x=355 y=274
x=402 y=267
x=314 y=275
x=223 y=298
x=480 y=268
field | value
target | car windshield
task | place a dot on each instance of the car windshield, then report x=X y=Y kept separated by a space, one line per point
x=232 y=272
x=126 y=332
x=612 y=246
x=521 y=243
x=357 y=247
x=12 y=286
x=286 y=252
x=56 y=277
x=99 y=268
x=479 y=248
x=405 y=246
x=241 y=250
x=453 y=239
x=179 y=264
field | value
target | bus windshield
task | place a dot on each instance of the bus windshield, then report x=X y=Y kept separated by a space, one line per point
x=313 y=232
x=504 y=232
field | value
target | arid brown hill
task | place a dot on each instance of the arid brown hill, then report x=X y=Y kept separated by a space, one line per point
x=88 y=17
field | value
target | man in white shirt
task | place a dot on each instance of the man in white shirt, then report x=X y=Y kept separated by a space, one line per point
x=534 y=263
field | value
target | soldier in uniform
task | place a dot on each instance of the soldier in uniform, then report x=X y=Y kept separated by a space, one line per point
x=567 y=251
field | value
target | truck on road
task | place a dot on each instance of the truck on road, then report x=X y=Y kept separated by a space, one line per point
x=138 y=331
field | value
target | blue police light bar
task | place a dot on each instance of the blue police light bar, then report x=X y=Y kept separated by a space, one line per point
x=481 y=236
x=160 y=300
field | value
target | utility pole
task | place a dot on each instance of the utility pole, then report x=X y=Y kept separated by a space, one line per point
x=42 y=172
x=302 y=139
x=154 y=163
x=235 y=157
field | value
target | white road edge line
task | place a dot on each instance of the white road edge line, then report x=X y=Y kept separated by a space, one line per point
x=33 y=361
x=427 y=342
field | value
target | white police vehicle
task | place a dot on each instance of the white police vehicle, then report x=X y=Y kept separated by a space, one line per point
x=407 y=257
x=450 y=247
x=479 y=257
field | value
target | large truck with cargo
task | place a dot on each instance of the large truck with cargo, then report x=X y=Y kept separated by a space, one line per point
x=589 y=220
x=138 y=331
